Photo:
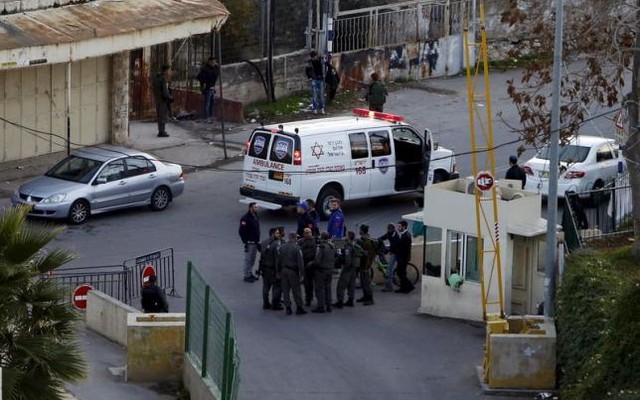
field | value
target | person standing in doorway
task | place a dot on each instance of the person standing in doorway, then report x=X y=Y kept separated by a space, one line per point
x=163 y=98
x=403 y=256
x=291 y=269
x=515 y=171
x=376 y=93
x=335 y=226
x=208 y=76
x=315 y=73
x=249 y=232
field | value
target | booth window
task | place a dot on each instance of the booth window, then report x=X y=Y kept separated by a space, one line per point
x=462 y=256
x=432 y=265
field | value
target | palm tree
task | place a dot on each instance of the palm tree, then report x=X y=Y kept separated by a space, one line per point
x=38 y=351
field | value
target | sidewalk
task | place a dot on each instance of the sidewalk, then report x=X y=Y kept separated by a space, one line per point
x=191 y=144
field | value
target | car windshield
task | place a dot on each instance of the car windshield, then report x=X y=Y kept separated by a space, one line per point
x=75 y=169
x=569 y=153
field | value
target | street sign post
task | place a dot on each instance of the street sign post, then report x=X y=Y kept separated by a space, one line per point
x=147 y=271
x=79 y=296
x=484 y=181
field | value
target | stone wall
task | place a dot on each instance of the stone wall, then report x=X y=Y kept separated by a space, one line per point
x=16 y=6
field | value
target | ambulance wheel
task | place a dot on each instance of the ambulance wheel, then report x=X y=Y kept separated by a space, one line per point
x=324 y=198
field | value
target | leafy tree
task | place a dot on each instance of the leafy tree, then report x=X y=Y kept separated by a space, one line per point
x=38 y=352
x=600 y=37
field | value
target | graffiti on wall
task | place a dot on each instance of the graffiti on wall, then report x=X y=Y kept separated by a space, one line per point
x=421 y=59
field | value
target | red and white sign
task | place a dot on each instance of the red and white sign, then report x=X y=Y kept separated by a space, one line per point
x=79 y=296
x=484 y=181
x=147 y=271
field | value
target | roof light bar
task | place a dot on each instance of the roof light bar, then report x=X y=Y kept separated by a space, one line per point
x=361 y=112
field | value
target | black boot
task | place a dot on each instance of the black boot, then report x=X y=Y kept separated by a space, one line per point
x=266 y=305
x=300 y=311
x=368 y=301
x=318 y=310
x=361 y=299
x=289 y=311
x=349 y=303
x=277 y=306
x=338 y=304
x=328 y=309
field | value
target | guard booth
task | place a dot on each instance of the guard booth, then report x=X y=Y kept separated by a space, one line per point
x=451 y=246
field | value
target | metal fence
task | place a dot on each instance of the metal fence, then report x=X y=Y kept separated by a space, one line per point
x=210 y=337
x=400 y=23
x=597 y=214
x=121 y=281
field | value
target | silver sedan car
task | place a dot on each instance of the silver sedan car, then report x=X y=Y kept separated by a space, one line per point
x=99 y=179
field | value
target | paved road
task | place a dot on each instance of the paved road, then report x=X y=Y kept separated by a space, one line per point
x=387 y=351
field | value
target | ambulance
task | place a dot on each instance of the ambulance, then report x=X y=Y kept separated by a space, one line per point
x=366 y=155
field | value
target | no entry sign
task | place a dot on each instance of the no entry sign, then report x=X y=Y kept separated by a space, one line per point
x=484 y=181
x=79 y=296
x=147 y=271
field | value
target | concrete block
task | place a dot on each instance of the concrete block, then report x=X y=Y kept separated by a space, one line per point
x=524 y=360
x=108 y=316
x=155 y=347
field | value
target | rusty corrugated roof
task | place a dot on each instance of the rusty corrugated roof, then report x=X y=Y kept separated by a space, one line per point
x=101 y=19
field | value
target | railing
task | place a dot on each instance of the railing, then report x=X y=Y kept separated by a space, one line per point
x=162 y=261
x=210 y=337
x=597 y=214
x=395 y=24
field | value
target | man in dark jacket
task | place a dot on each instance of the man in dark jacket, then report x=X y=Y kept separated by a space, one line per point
x=249 y=232
x=291 y=270
x=208 y=76
x=403 y=256
x=154 y=299
x=308 y=246
x=323 y=264
x=376 y=93
x=515 y=171
x=392 y=237
x=315 y=73
x=369 y=246
x=305 y=220
x=163 y=98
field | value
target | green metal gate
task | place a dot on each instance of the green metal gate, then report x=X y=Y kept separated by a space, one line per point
x=210 y=337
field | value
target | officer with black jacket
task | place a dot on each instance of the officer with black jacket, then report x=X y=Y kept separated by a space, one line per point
x=291 y=270
x=308 y=246
x=269 y=250
x=249 y=232
x=323 y=265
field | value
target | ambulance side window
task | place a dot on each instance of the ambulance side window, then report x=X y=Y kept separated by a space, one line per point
x=358 y=142
x=380 y=145
x=259 y=147
x=282 y=149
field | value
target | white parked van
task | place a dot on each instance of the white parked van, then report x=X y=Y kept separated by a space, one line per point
x=367 y=155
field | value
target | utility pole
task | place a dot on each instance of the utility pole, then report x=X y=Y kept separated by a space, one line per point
x=552 y=198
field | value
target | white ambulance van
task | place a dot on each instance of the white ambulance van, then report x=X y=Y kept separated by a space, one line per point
x=369 y=154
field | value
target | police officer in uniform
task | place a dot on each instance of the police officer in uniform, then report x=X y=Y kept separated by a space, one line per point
x=269 y=249
x=323 y=264
x=291 y=269
x=308 y=246
x=347 y=279
x=370 y=248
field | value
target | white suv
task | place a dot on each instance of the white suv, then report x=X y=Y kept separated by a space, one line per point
x=586 y=163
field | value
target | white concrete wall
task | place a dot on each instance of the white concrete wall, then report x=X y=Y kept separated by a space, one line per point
x=199 y=388
x=108 y=316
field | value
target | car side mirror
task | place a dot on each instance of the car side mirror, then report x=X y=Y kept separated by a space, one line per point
x=100 y=180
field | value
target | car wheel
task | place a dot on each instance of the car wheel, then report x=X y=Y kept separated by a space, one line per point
x=78 y=212
x=160 y=198
x=598 y=197
x=324 y=198
x=439 y=176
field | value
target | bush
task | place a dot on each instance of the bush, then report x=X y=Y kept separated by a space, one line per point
x=598 y=306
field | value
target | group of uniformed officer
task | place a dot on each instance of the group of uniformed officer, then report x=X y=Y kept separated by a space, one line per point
x=309 y=262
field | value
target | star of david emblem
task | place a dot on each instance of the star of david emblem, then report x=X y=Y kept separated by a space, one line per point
x=316 y=150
